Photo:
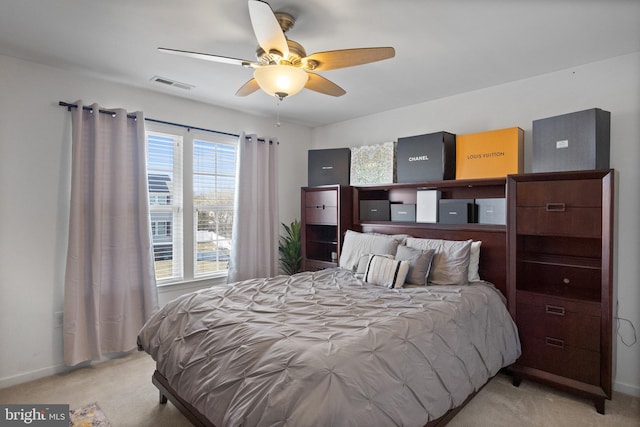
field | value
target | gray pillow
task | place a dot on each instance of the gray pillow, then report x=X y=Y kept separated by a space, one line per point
x=450 y=265
x=419 y=263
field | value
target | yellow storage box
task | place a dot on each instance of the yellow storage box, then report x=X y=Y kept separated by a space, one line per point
x=490 y=154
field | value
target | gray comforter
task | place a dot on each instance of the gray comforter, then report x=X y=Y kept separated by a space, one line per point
x=326 y=349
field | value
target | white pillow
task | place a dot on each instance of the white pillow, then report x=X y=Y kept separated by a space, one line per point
x=450 y=265
x=474 y=261
x=386 y=272
x=357 y=244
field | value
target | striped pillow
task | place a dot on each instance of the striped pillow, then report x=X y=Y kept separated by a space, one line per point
x=386 y=272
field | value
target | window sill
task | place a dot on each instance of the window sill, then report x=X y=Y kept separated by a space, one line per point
x=214 y=279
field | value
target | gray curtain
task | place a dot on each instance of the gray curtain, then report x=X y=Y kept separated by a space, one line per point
x=110 y=288
x=254 y=238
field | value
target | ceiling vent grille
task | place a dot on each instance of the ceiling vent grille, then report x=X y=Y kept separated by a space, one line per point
x=169 y=82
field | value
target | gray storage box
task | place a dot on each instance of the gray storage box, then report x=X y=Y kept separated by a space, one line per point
x=403 y=212
x=427 y=205
x=428 y=157
x=574 y=141
x=492 y=211
x=328 y=167
x=457 y=211
x=374 y=210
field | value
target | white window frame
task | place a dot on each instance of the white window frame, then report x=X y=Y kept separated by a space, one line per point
x=188 y=214
x=176 y=209
x=216 y=173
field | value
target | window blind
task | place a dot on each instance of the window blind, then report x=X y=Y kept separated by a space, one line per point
x=164 y=172
x=213 y=193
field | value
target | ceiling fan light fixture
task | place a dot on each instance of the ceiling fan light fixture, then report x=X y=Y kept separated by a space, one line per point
x=281 y=80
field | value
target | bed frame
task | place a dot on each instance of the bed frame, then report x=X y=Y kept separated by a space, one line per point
x=167 y=393
x=492 y=268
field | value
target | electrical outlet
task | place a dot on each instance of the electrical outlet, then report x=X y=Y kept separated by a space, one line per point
x=57 y=320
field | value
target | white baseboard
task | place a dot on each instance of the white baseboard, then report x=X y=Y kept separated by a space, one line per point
x=32 y=375
x=629 y=389
x=56 y=369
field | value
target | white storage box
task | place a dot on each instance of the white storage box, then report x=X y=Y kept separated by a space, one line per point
x=427 y=205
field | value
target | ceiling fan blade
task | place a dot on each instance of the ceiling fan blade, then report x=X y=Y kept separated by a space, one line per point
x=319 y=84
x=333 y=59
x=248 y=88
x=209 y=57
x=267 y=29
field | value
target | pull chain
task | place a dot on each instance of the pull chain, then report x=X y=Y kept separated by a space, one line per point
x=278 y=112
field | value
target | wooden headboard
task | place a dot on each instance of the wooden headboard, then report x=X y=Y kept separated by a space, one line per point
x=493 y=252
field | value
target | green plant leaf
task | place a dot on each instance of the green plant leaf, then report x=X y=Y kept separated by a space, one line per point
x=290 y=248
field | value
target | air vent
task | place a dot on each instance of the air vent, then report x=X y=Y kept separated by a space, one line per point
x=169 y=82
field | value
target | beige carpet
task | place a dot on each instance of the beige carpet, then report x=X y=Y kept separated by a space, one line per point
x=123 y=390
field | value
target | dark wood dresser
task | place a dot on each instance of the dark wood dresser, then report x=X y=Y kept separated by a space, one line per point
x=560 y=240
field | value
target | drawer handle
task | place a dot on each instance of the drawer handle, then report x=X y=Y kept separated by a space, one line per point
x=554 y=309
x=319 y=206
x=554 y=342
x=555 y=207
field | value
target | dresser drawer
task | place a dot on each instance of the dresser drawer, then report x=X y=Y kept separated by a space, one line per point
x=559 y=220
x=322 y=215
x=571 y=193
x=554 y=356
x=557 y=322
x=318 y=199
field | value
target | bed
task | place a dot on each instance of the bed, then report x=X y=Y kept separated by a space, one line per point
x=332 y=347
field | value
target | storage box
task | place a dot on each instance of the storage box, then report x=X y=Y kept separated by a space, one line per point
x=456 y=211
x=403 y=212
x=428 y=157
x=374 y=210
x=574 y=141
x=492 y=211
x=373 y=164
x=427 y=205
x=330 y=166
x=490 y=154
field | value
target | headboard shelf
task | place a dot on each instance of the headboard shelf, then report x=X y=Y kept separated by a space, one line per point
x=493 y=252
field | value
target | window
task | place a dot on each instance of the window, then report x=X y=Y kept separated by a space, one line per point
x=214 y=166
x=164 y=173
x=191 y=189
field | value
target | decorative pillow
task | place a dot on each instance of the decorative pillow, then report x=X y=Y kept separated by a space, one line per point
x=450 y=265
x=357 y=244
x=386 y=272
x=474 y=261
x=364 y=262
x=419 y=263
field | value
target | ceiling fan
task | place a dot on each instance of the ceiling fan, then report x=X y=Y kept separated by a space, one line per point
x=283 y=68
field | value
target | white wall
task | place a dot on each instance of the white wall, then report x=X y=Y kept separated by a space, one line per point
x=34 y=177
x=34 y=195
x=613 y=85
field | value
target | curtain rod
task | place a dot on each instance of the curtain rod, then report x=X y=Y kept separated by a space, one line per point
x=131 y=116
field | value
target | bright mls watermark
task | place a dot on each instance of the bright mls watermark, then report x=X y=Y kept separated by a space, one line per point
x=34 y=415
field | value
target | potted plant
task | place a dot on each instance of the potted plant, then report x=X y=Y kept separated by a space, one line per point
x=290 y=248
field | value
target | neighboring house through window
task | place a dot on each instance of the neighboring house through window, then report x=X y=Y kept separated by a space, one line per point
x=191 y=178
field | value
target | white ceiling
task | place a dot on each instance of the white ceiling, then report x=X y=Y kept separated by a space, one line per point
x=442 y=47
